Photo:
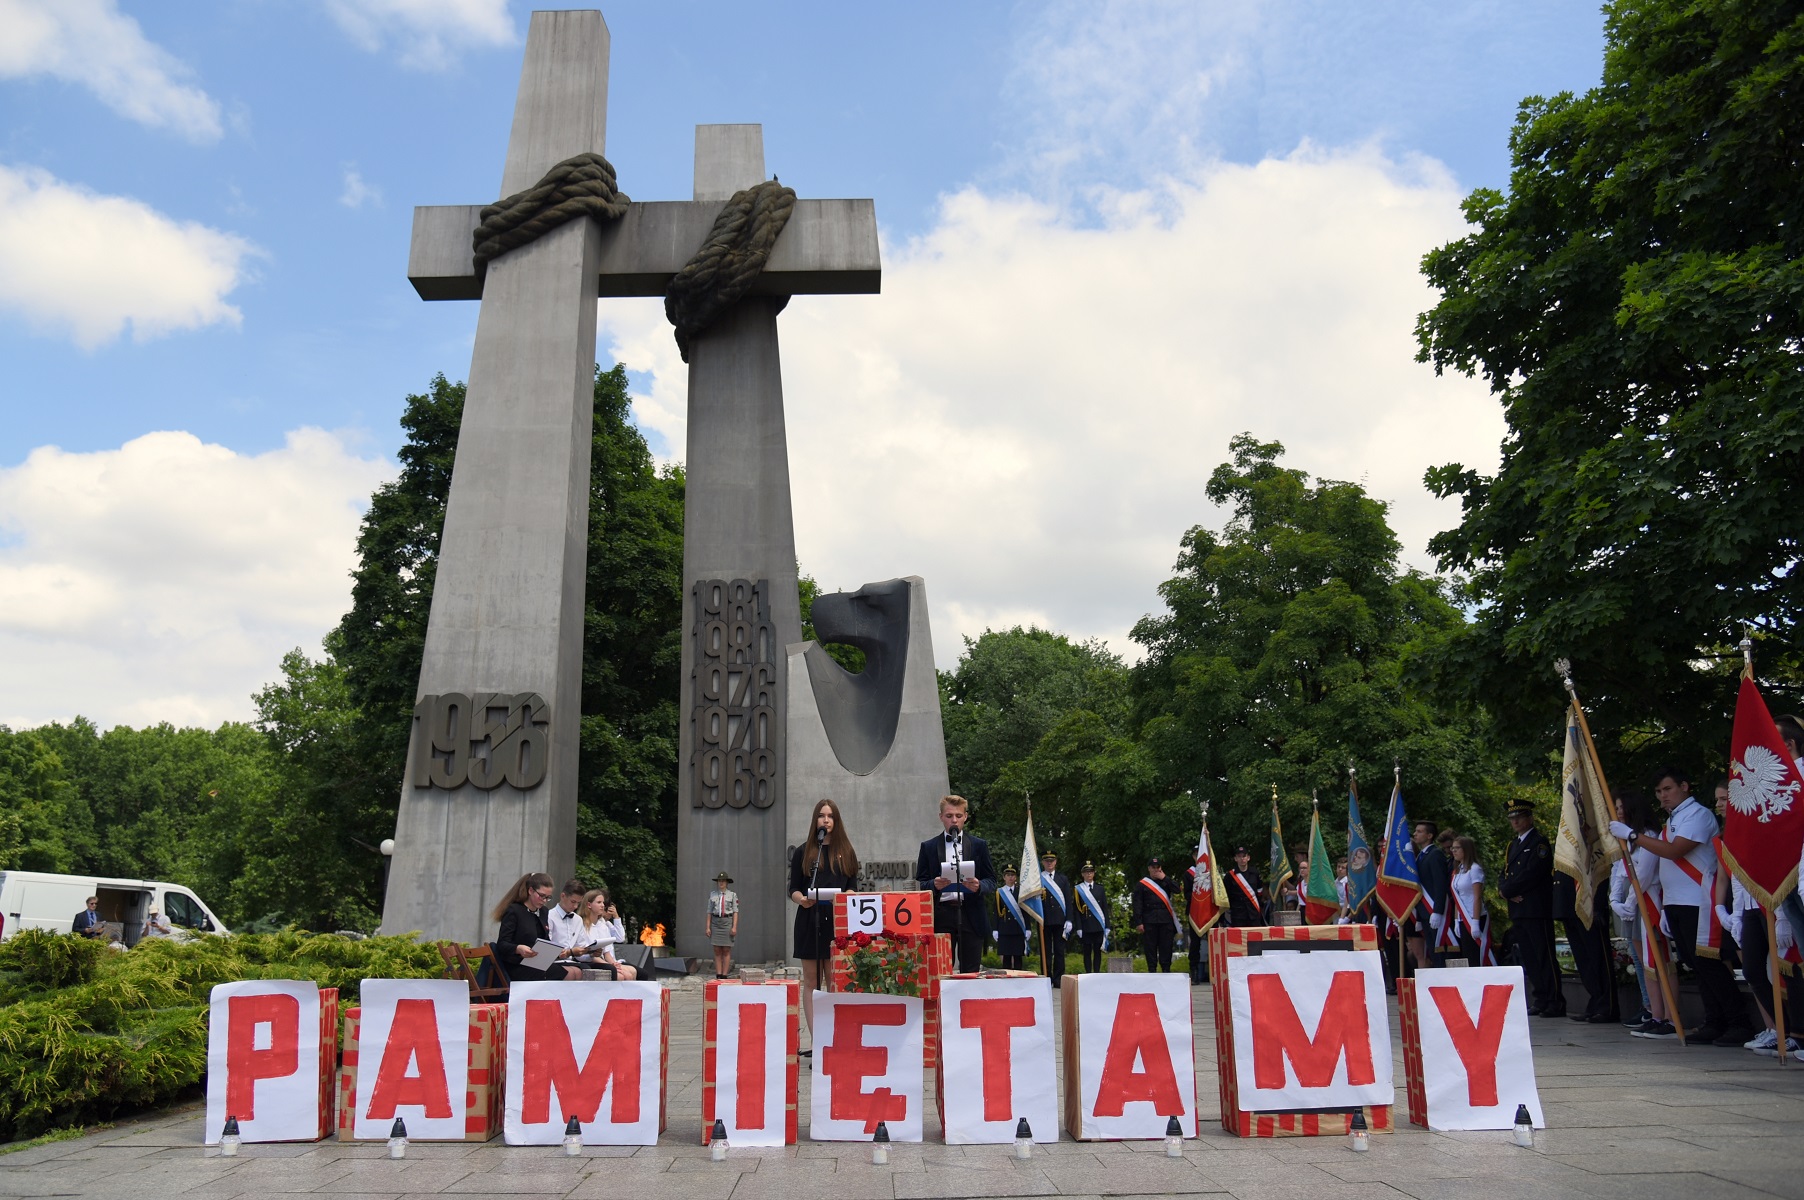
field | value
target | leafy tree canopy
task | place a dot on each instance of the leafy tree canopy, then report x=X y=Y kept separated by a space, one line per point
x=1636 y=301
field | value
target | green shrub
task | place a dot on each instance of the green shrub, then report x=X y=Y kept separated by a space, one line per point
x=127 y=1030
x=51 y=959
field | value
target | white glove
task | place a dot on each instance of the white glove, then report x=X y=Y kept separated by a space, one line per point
x=1436 y=921
x=995 y=935
x=1733 y=925
x=1785 y=942
x=1624 y=909
x=1067 y=928
x=1621 y=830
x=1665 y=927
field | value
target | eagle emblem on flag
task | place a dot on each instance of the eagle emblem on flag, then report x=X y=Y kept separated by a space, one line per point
x=1757 y=784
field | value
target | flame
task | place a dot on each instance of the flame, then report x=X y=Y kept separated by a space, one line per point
x=651 y=935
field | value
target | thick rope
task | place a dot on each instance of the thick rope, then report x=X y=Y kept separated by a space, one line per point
x=728 y=263
x=583 y=186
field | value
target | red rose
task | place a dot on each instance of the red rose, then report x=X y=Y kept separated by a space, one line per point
x=840 y=943
x=862 y=938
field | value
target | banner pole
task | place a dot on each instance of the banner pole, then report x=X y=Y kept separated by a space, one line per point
x=1660 y=966
x=1772 y=952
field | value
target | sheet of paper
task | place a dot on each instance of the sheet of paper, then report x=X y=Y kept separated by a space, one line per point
x=823 y=893
x=543 y=952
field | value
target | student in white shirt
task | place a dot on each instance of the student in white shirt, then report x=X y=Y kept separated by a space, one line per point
x=597 y=935
x=563 y=918
x=1687 y=864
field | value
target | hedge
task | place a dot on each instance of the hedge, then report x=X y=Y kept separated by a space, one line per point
x=87 y=1031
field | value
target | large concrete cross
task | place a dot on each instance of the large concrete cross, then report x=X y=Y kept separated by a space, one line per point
x=490 y=789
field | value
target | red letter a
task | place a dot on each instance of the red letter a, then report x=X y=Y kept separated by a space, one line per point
x=1477 y=1045
x=412 y=1041
x=1138 y=1035
x=245 y=1064
x=1278 y=1033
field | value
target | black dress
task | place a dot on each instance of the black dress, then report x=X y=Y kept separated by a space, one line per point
x=814 y=926
x=520 y=926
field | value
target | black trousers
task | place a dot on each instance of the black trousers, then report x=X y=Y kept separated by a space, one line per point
x=1723 y=1007
x=1534 y=947
x=1011 y=962
x=1091 y=946
x=1756 y=964
x=1157 y=940
x=1591 y=957
x=1054 y=964
x=1199 y=958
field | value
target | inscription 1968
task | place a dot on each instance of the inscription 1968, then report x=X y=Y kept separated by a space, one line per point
x=735 y=716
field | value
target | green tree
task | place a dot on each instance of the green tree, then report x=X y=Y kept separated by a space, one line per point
x=44 y=823
x=1285 y=652
x=1636 y=302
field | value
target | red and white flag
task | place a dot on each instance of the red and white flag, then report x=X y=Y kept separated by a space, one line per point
x=1208 y=891
x=1764 y=829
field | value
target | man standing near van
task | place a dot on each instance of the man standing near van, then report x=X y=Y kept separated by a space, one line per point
x=87 y=921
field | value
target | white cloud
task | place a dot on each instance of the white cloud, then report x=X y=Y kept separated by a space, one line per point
x=357 y=192
x=163 y=581
x=75 y=262
x=428 y=33
x=1028 y=414
x=93 y=44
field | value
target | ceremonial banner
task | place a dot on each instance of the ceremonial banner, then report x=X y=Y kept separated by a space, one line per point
x=1028 y=888
x=749 y=1035
x=869 y=1064
x=271 y=1047
x=1362 y=869
x=1583 y=849
x=997 y=1062
x=1764 y=829
x=1130 y=1062
x=1321 y=900
x=414 y=1038
x=1399 y=887
x=1310 y=1030
x=592 y=1050
x=1472 y=1048
x=1208 y=891
x=1280 y=857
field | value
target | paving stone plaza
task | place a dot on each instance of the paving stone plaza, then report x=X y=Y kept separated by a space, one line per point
x=1625 y=1117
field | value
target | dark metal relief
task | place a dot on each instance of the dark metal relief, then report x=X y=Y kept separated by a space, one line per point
x=484 y=739
x=735 y=716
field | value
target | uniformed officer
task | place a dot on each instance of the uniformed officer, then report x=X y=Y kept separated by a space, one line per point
x=1010 y=930
x=1092 y=916
x=1154 y=917
x=1246 y=893
x=1528 y=886
x=1058 y=905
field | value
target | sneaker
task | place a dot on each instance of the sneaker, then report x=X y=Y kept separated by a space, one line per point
x=1772 y=1051
x=1656 y=1029
x=1638 y=1020
x=1765 y=1040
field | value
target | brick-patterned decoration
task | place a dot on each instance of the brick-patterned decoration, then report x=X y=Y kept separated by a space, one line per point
x=710 y=1048
x=936 y=964
x=488 y=1064
x=919 y=905
x=1412 y=1052
x=1230 y=942
x=328 y=1057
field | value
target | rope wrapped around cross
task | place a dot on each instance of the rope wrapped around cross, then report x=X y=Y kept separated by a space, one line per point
x=722 y=271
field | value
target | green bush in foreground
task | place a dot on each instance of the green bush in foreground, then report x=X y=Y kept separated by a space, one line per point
x=86 y=1031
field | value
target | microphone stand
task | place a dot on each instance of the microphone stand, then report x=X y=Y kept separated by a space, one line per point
x=822 y=976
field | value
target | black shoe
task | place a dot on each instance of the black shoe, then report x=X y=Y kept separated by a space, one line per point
x=1581 y=1018
x=1639 y=1020
x=1534 y=1012
x=1553 y=1012
x=1602 y=1019
x=1656 y=1029
x=1709 y=1034
x=1739 y=1036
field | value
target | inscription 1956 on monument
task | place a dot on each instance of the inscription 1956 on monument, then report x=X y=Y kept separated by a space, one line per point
x=734 y=722
x=486 y=739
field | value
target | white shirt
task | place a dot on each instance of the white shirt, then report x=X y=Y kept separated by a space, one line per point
x=598 y=938
x=1466 y=884
x=1690 y=820
x=566 y=927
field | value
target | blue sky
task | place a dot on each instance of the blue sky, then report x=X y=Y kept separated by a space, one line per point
x=204 y=212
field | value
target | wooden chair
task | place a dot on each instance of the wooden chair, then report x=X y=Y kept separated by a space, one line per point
x=472 y=964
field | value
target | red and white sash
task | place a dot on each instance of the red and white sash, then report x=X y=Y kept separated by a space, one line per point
x=1151 y=885
x=1479 y=931
x=1252 y=897
x=1710 y=929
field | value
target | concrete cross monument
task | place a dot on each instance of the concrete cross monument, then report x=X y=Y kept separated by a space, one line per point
x=490 y=789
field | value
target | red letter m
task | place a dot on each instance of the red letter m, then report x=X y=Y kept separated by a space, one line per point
x=551 y=1063
x=1278 y=1033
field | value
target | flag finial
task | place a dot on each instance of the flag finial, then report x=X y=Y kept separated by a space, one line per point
x=1397 y=769
x=1274 y=795
x=1747 y=651
x=1563 y=668
x=1313 y=802
x=1352 y=769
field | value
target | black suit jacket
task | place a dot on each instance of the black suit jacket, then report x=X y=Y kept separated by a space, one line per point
x=1068 y=894
x=1436 y=875
x=1146 y=907
x=1528 y=876
x=80 y=924
x=927 y=868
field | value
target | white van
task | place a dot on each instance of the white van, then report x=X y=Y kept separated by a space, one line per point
x=36 y=900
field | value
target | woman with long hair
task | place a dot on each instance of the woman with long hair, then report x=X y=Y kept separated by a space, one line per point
x=825 y=860
x=1466 y=898
x=599 y=934
x=522 y=916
